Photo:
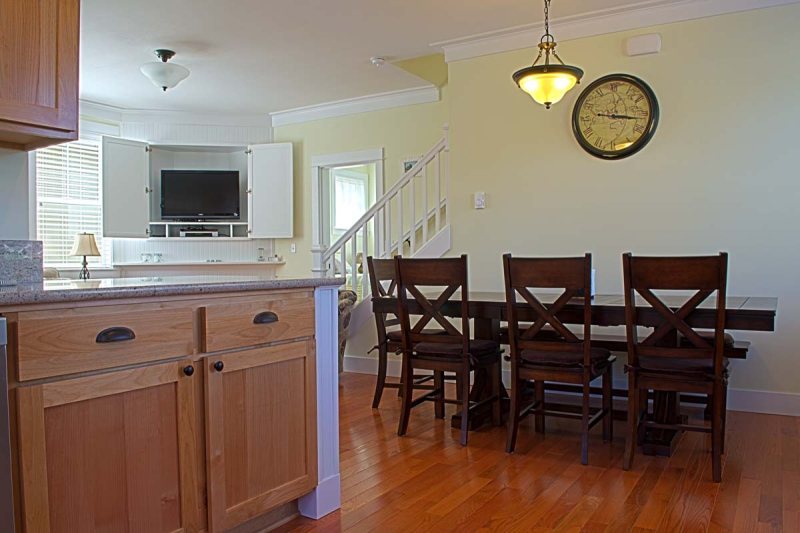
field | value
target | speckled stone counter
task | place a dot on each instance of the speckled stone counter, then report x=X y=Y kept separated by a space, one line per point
x=58 y=291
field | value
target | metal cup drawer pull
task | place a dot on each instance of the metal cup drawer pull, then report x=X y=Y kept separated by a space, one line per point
x=115 y=334
x=267 y=317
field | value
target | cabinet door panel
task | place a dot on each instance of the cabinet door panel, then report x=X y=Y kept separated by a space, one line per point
x=271 y=185
x=39 y=63
x=110 y=460
x=260 y=430
x=126 y=179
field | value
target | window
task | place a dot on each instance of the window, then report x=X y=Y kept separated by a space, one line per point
x=350 y=198
x=69 y=201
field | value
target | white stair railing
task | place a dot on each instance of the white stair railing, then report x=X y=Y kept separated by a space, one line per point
x=400 y=222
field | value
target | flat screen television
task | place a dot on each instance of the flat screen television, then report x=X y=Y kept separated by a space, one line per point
x=197 y=195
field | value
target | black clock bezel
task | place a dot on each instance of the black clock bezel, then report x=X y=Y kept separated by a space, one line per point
x=650 y=129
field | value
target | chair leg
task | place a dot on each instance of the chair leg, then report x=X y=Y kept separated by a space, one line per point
x=585 y=423
x=380 y=383
x=497 y=378
x=608 y=417
x=724 y=415
x=513 y=414
x=538 y=390
x=716 y=433
x=464 y=405
x=401 y=389
x=438 y=384
x=407 y=389
x=633 y=421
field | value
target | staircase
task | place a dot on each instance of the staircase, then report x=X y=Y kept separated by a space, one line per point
x=410 y=219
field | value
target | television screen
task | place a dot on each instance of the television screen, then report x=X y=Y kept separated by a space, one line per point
x=199 y=194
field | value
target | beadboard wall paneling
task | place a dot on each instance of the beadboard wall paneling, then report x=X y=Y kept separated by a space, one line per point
x=187 y=250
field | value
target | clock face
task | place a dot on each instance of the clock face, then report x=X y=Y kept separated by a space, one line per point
x=615 y=116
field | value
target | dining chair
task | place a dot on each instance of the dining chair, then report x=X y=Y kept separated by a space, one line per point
x=383 y=282
x=559 y=356
x=675 y=357
x=452 y=351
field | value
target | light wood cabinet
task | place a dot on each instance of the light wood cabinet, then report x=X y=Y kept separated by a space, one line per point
x=110 y=452
x=260 y=430
x=38 y=72
x=198 y=414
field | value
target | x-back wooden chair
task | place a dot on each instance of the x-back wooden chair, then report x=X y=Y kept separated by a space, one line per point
x=675 y=357
x=383 y=282
x=559 y=355
x=451 y=351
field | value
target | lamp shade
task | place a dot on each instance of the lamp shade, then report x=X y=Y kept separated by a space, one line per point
x=165 y=75
x=547 y=84
x=85 y=245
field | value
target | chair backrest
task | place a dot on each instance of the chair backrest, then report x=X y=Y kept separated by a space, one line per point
x=445 y=276
x=383 y=281
x=522 y=276
x=705 y=275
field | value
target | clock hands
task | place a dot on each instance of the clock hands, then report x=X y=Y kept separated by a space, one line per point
x=614 y=115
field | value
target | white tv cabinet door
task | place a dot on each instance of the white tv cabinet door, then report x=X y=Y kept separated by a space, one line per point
x=126 y=185
x=270 y=191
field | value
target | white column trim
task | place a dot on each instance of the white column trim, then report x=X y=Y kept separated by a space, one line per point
x=326 y=497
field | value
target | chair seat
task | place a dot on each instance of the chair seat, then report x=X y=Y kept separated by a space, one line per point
x=599 y=357
x=397 y=335
x=682 y=365
x=709 y=336
x=482 y=351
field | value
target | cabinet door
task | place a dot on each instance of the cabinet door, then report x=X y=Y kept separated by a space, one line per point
x=270 y=191
x=110 y=452
x=39 y=66
x=126 y=188
x=261 y=439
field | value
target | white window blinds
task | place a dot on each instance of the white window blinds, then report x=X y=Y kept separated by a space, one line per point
x=69 y=201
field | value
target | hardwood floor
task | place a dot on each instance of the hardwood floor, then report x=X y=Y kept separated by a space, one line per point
x=426 y=481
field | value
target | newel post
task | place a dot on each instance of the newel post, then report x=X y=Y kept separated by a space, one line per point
x=318 y=266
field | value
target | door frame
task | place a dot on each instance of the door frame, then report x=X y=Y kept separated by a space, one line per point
x=320 y=166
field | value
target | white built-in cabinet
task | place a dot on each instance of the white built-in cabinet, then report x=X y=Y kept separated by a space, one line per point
x=132 y=187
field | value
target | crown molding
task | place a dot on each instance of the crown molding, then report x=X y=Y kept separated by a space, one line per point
x=117 y=115
x=631 y=17
x=351 y=106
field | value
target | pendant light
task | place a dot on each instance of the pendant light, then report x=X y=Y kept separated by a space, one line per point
x=163 y=74
x=546 y=83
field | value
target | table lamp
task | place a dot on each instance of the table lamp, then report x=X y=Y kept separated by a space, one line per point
x=85 y=246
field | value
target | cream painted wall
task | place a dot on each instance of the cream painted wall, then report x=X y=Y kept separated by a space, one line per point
x=720 y=174
x=403 y=133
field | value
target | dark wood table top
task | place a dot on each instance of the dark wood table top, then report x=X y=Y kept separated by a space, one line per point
x=745 y=313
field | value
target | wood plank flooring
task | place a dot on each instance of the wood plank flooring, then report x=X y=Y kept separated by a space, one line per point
x=426 y=481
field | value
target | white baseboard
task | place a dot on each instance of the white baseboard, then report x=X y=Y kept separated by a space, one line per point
x=768 y=402
x=751 y=401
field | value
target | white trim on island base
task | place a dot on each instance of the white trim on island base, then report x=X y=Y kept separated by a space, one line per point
x=326 y=497
x=751 y=401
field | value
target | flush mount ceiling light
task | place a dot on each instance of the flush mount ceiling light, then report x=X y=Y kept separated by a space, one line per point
x=163 y=74
x=546 y=83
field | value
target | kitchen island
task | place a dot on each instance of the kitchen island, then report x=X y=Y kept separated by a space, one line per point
x=172 y=404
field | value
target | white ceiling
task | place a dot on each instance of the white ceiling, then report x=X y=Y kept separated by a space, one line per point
x=259 y=56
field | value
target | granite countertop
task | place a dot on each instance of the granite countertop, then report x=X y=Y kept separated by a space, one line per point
x=64 y=290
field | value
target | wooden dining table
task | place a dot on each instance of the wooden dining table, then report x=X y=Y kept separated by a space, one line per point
x=488 y=310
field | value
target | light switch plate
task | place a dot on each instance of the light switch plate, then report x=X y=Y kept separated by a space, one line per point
x=480 y=200
x=293 y=248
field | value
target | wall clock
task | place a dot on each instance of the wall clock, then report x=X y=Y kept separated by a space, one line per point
x=615 y=116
